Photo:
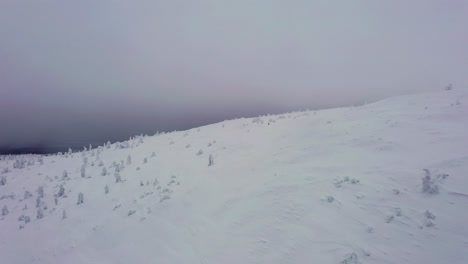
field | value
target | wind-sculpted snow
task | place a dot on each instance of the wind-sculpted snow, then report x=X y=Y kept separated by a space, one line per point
x=380 y=183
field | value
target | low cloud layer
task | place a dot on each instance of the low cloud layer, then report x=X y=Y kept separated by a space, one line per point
x=88 y=71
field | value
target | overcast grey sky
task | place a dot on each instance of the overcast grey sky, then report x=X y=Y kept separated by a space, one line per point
x=94 y=70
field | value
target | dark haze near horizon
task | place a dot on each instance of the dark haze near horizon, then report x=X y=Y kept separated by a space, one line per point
x=74 y=73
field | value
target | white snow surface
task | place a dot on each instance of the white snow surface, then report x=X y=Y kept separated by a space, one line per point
x=331 y=186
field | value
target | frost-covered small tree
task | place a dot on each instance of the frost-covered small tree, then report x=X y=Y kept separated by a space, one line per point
x=27 y=195
x=64 y=174
x=145 y=160
x=117 y=177
x=100 y=164
x=210 y=160
x=3 y=180
x=129 y=160
x=106 y=189
x=40 y=213
x=41 y=160
x=83 y=171
x=85 y=161
x=61 y=191
x=40 y=192
x=104 y=171
x=200 y=152
x=428 y=185
x=5 y=210
x=64 y=214
x=80 y=198
x=153 y=154
x=70 y=151
x=27 y=219
x=38 y=202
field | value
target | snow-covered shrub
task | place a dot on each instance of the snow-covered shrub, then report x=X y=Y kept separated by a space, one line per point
x=2 y=180
x=5 y=210
x=101 y=163
x=5 y=170
x=398 y=211
x=350 y=259
x=80 y=198
x=210 y=160
x=153 y=154
x=145 y=160
x=257 y=120
x=429 y=215
x=330 y=199
x=61 y=191
x=40 y=192
x=428 y=185
x=40 y=160
x=117 y=177
x=106 y=189
x=131 y=212
x=19 y=164
x=104 y=171
x=389 y=218
x=129 y=160
x=64 y=214
x=64 y=174
x=188 y=146
x=83 y=171
x=108 y=145
x=27 y=195
x=38 y=202
x=27 y=219
x=200 y=152
x=40 y=213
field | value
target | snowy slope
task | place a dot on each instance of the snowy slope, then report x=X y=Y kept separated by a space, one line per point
x=323 y=186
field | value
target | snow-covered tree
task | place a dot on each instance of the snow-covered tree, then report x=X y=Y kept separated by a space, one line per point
x=64 y=174
x=64 y=214
x=129 y=160
x=106 y=189
x=210 y=160
x=100 y=164
x=4 y=210
x=40 y=213
x=61 y=191
x=80 y=198
x=83 y=171
x=27 y=195
x=40 y=192
x=117 y=177
x=153 y=154
x=104 y=171
x=145 y=160
x=3 y=180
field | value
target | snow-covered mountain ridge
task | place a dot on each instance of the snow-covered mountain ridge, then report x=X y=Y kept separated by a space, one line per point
x=385 y=182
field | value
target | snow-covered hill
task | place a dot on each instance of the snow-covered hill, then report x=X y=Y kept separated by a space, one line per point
x=332 y=186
